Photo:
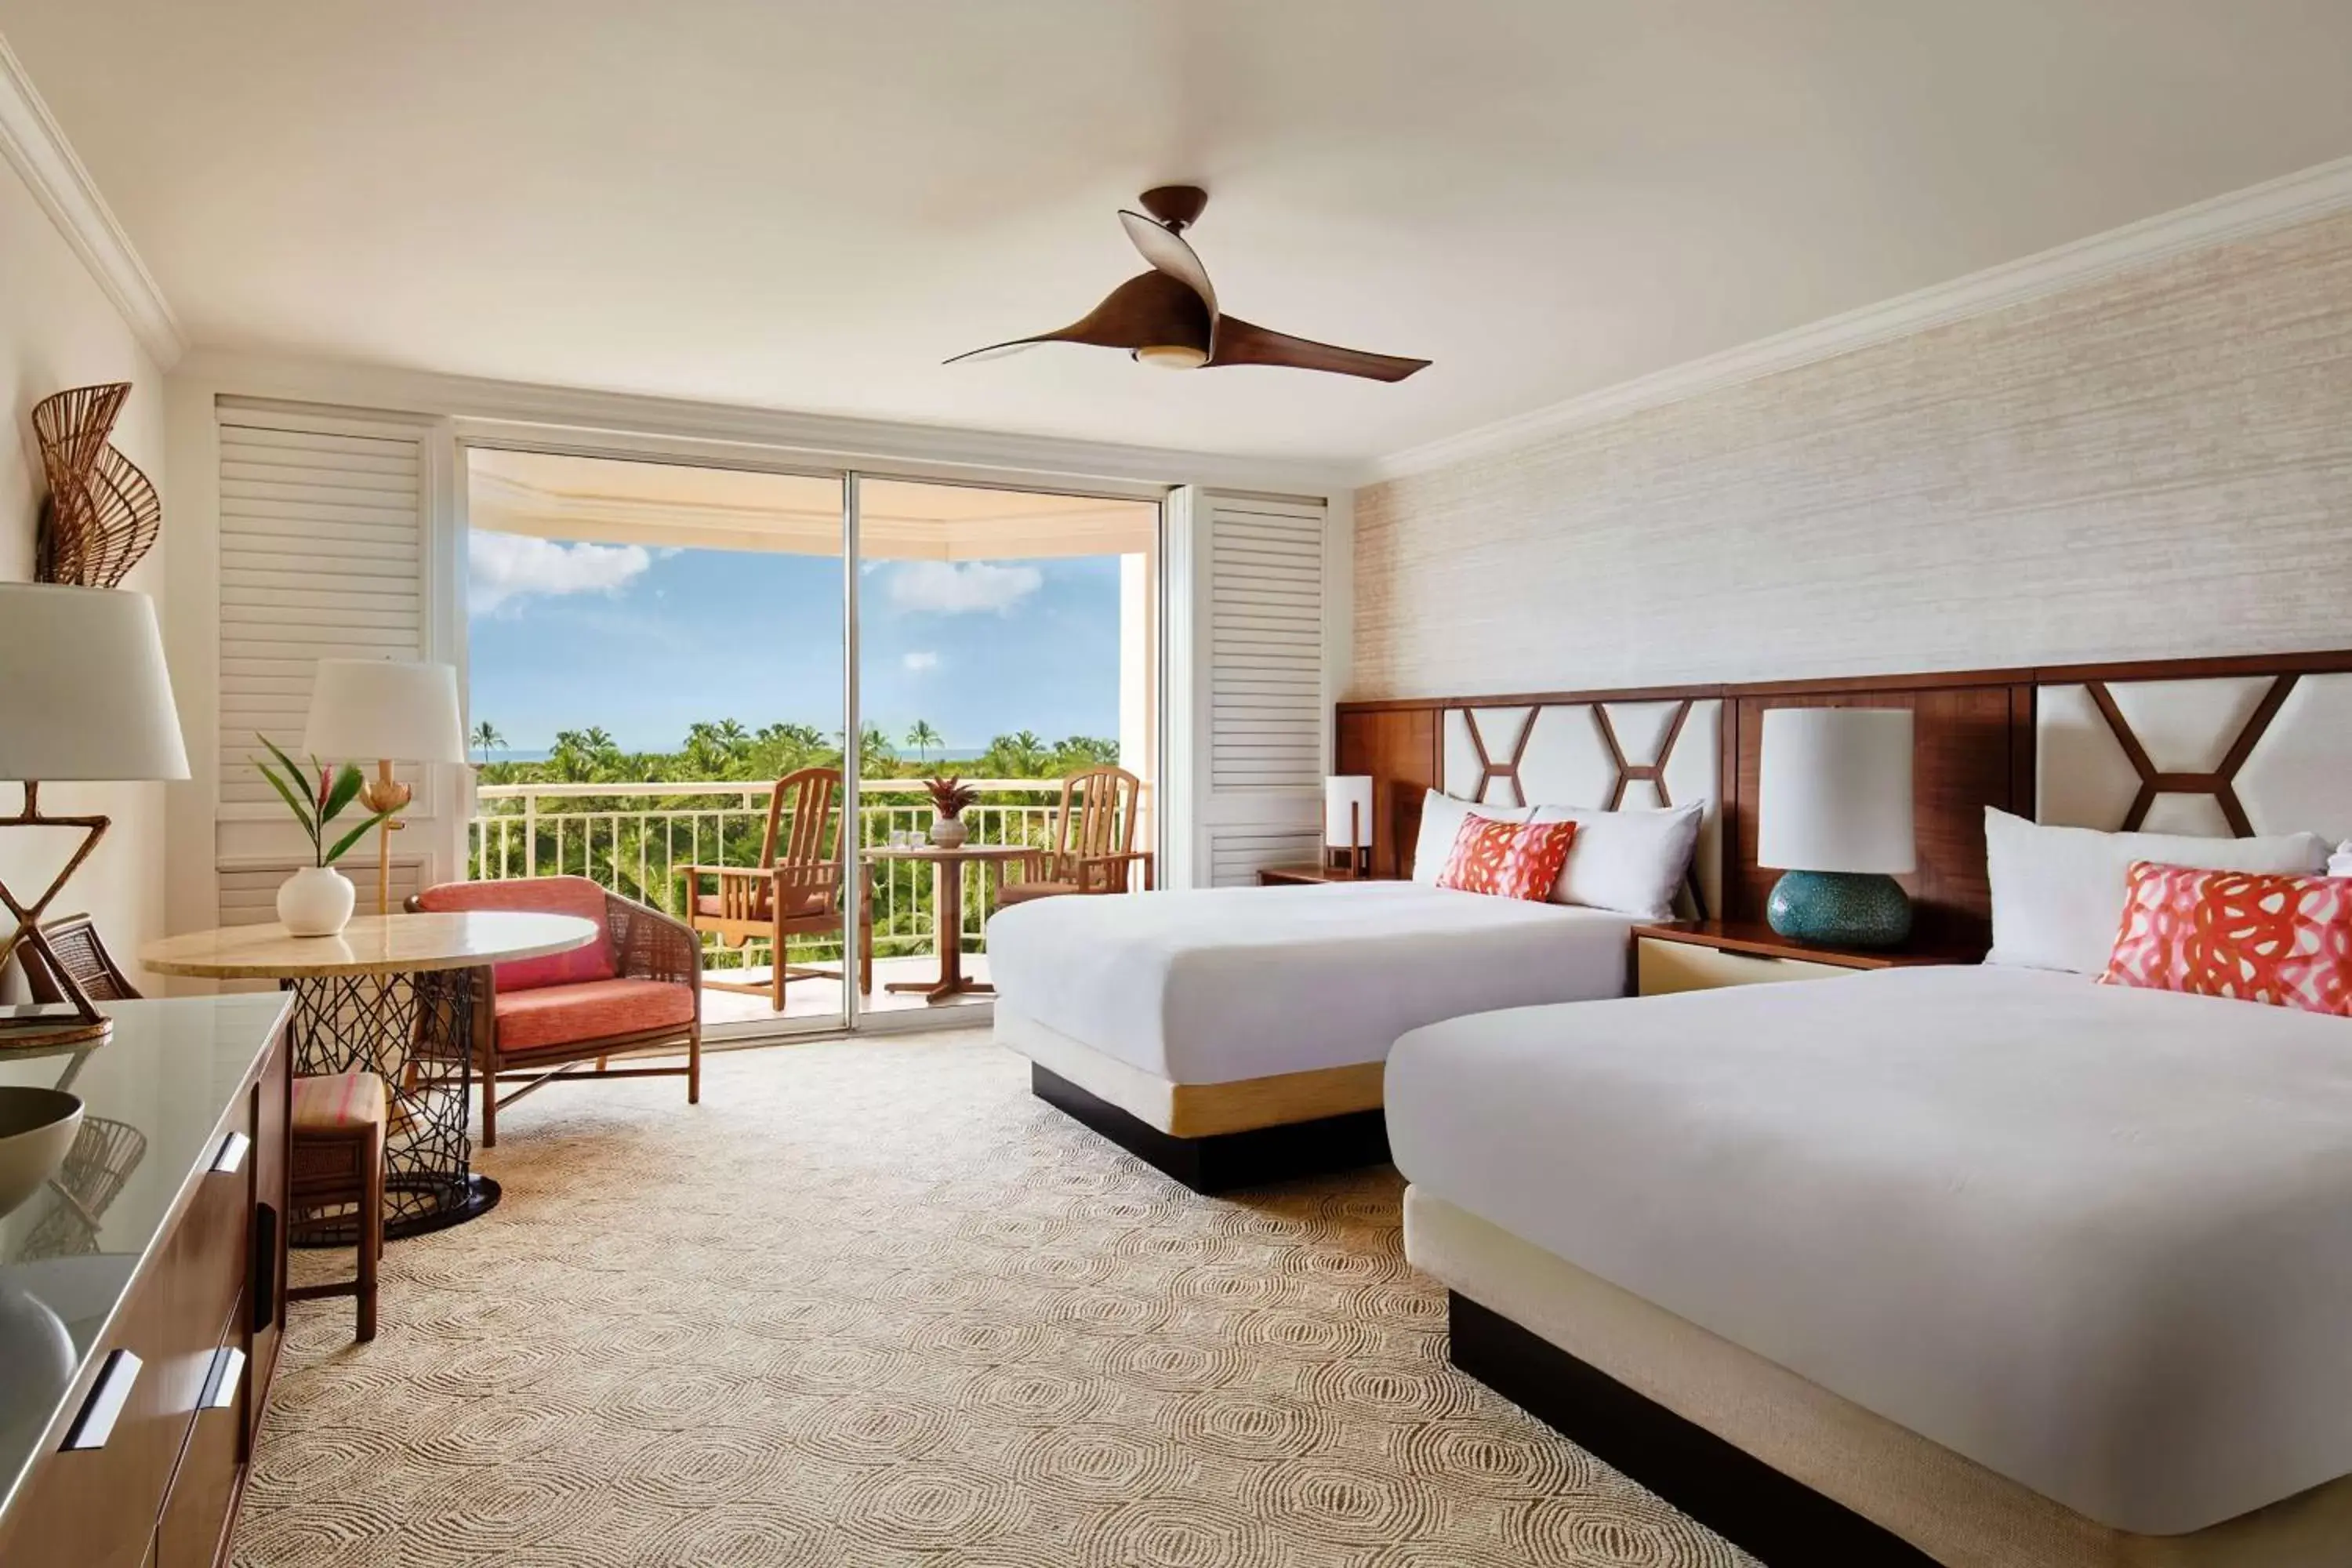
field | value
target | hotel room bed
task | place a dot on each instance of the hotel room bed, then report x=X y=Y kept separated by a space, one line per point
x=2025 y=1269
x=1217 y=1018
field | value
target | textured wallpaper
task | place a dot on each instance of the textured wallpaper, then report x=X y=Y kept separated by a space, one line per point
x=2157 y=464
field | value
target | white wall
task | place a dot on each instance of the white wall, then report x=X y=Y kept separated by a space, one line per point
x=2155 y=464
x=58 y=328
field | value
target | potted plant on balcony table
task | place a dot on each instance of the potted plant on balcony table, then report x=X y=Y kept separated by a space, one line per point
x=950 y=798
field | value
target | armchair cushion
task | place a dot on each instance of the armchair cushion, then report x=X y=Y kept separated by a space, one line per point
x=547 y=1016
x=536 y=896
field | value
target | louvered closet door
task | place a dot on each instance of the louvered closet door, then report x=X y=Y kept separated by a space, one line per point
x=321 y=555
x=1264 y=675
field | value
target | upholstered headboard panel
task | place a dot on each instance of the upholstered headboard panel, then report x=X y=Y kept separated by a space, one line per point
x=1599 y=755
x=2222 y=755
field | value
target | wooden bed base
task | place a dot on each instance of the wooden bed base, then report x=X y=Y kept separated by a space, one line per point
x=1226 y=1160
x=1732 y=1492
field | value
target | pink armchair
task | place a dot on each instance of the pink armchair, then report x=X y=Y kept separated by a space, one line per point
x=639 y=990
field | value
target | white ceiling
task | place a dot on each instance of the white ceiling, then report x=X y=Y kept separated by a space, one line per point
x=808 y=205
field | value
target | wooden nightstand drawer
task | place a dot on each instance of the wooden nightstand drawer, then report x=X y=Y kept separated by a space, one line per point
x=1662 y=968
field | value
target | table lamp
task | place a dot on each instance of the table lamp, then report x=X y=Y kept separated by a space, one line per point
x=84 y=695
x=1835 y=818
x=394 y=711
x=1348 y=824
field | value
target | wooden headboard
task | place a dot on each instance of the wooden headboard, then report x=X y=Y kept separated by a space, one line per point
x=2217 y=745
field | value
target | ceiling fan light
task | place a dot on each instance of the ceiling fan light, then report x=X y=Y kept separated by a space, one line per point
x=1171 y=357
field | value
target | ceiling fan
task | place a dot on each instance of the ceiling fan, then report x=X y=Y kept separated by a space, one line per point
x=1169 y=317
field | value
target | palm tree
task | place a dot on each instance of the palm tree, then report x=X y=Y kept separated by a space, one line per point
x=922 y=737
x=487 y=739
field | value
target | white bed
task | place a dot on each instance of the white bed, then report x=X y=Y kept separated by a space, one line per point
x=2096 y=1242
x=1226 y=1010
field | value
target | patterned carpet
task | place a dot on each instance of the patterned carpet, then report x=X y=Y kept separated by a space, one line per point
x=870 y=1304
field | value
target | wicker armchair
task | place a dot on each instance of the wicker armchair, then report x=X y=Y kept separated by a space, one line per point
x=795 y=891
x=1091 y=847
x=637 y=990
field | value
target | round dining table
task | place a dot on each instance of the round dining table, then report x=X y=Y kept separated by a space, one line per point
x=398 y=995
x=947 y=908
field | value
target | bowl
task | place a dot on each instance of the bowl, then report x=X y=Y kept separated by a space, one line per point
x=37 y=1129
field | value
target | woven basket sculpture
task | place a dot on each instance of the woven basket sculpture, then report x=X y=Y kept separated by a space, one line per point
x=103 y=514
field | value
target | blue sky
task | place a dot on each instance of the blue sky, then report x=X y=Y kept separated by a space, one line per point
x=644 y=642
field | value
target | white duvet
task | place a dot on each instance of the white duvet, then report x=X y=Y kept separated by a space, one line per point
x=1225 y=984
x=2097 y=1239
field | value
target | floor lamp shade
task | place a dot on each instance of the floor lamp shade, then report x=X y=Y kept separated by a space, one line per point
x=84 y=693
x=1835 y=813
x=381 y=708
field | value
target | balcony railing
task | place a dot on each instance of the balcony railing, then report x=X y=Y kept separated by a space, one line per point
x=633 y=837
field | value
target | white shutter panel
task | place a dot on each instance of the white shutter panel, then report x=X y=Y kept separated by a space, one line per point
x=1264 y=669
x=321 y=555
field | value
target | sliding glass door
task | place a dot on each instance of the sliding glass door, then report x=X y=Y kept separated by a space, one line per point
x=729 y=693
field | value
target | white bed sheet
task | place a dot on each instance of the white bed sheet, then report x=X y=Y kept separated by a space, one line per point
x=1225 y=983
x=2097 y=1239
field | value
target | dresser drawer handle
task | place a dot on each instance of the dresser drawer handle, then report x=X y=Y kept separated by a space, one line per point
x=231 y=1158
x=104 y=1407
x=220 y=1382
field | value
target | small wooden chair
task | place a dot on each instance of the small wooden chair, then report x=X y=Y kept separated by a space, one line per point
x=795 y=891
x=337 y=1142
x=1091 y=846
x=339 y=1125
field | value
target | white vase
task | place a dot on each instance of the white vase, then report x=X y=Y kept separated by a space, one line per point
x=315 y=901
x=948 y=832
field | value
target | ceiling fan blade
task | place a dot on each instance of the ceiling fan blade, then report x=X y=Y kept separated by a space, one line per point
x=1171 y=253
x=998 y=351
x=1237 y=341
x=1149 y=310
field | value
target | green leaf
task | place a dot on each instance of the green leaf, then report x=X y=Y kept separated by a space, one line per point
x=352 y=837
x=294 y=772
x=347 y=784
x=301 y=807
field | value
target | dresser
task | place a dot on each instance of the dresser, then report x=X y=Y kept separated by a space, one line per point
x=142 y=1289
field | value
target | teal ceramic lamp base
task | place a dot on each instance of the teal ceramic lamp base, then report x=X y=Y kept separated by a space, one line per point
x=1840 y=908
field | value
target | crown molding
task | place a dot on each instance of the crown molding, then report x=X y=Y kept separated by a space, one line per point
x=35 y=147
x=2277 y=204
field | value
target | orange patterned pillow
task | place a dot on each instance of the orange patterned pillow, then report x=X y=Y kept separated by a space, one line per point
x=1507 y=859
x=2286 y=941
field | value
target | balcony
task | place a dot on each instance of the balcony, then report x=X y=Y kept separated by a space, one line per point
x=633 y=837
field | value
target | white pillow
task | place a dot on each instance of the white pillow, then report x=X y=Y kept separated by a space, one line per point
x=2340 y=863
x=1440 y=820
x=1633 y=862
x=2058 y=893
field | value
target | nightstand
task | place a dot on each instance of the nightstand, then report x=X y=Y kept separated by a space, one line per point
x=1699 y=955
x=1286 y=876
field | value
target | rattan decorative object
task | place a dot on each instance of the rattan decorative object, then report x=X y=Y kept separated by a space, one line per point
x=104 y=514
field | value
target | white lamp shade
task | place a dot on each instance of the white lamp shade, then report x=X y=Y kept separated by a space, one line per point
x=1340 y=793
x=1836 y=790
x=84 y=693
x=371 y=709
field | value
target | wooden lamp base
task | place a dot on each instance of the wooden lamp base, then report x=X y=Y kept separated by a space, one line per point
x=85 y=1024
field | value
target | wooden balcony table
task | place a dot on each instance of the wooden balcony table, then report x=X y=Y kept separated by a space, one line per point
x=947 y=908
x=394 y=994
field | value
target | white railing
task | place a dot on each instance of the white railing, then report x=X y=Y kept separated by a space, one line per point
x=598 y=831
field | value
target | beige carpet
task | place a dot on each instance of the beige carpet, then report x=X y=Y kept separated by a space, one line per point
x=871 y=1304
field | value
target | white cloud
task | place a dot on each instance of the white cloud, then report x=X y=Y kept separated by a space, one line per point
x=946 y=588
x=504 y=567
x=916 y=663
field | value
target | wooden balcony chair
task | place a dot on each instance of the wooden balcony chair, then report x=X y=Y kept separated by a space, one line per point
x=636 y=991
x=795 y=891
x=1090 y=849
x=338 y=1125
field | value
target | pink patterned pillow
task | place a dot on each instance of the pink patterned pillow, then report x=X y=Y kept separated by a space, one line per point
x=1507 y=859
x=2284 y=941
